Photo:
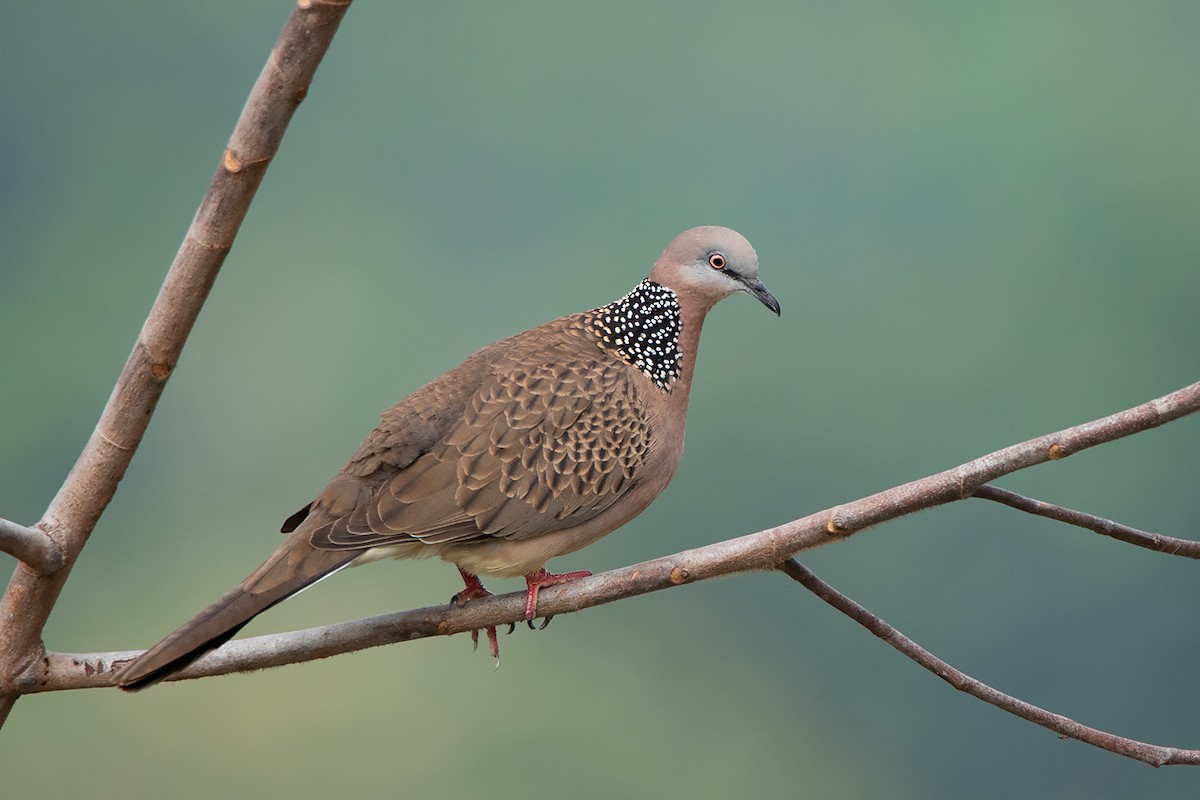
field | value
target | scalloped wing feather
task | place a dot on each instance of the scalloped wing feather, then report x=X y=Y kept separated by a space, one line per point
x=542 y=445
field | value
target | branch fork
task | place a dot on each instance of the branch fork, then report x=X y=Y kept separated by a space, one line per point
x=33 y=547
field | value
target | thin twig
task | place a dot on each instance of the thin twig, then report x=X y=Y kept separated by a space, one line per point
x=1152 y=754
x=758 y=551
x=1105 y=527
x=30 y=546
x=85 y=494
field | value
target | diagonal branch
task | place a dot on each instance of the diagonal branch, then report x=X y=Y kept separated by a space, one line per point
x=764 y=550
x=1105 y=527
x=74 y=512
x=30 y=546
x=963 y=481
x=1152 y=754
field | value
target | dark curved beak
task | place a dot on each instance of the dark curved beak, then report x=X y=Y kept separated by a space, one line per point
x=755 y=287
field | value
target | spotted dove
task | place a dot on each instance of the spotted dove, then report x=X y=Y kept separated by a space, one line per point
x=534 y=447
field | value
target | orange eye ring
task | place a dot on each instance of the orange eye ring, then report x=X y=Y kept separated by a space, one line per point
x=716 y=261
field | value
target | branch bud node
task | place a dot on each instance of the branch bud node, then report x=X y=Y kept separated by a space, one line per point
x=231 y=162
x=837 y=525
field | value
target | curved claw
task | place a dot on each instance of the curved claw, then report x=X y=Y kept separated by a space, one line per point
x=512 y=626
x=493 y=645
x=545 y=622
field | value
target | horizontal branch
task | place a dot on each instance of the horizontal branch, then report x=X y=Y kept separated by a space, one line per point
x=31 y=546
x=93 y=670
x=1105 y=527
x=1152 y=754
x=764 y=550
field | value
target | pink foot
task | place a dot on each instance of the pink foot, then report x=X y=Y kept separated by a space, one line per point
x=474 y=590
x=536 y=580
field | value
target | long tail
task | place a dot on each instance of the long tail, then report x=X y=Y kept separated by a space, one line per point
x=295 y=565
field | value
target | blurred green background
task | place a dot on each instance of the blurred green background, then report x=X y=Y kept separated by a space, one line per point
x=982 y=220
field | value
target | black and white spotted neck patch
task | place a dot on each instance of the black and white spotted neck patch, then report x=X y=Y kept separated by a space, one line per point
x=643 y=327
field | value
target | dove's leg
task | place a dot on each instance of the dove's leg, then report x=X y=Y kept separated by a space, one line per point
x=475 y=589
x=536 y=580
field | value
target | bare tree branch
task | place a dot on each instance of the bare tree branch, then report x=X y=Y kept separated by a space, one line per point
x=1152 y=754
x=26 y=667
x=963 y=481
x=764 y=550
x=73 y=513
x=1105 y=527
x=91 y=670
x=30 y=546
